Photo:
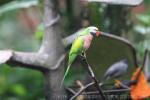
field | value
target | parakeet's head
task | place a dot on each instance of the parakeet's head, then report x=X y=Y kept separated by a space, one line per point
x=94 y=31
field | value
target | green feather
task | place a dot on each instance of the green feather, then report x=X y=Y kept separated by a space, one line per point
x=76 y=49
x=84 y=32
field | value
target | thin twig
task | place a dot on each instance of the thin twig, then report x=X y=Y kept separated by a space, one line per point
x=143 y=64
x=107 y=91
x=124 y=86
x=124 y=41
x=71 y=90
x=97 y=92
x=90 y=71
x=60 y=60
x=81 y=90
x=119 y=2
x=55 y=20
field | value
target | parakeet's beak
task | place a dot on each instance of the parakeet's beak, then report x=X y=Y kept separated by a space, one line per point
x=98 y=33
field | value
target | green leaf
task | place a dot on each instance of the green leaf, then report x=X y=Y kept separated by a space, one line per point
x=17 y=5
x=19 y=89
x=40 y=31
x=147 y=99
x=145 y=19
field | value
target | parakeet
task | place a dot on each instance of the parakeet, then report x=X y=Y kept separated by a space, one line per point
x=116 y=70
x=81 y=44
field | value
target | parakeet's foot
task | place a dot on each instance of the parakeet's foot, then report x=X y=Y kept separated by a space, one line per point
x=83 y=54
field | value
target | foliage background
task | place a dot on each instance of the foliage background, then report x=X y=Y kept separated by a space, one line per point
x=21 y=29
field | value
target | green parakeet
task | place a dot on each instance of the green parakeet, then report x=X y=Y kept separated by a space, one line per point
x=81 y=44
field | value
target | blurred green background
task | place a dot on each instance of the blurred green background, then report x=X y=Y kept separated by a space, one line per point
x=21 y=29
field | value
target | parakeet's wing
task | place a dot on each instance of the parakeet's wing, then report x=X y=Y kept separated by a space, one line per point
x=83 y=32
x=76 y=49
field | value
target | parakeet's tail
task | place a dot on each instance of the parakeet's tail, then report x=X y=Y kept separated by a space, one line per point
x=65 y=75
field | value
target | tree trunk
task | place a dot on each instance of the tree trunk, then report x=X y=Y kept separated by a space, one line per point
x=52 y=45
x=52 y=84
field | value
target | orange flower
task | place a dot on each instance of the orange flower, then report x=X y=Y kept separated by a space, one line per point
x=141 y=90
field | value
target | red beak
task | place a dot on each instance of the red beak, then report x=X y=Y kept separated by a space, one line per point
x=98 y=33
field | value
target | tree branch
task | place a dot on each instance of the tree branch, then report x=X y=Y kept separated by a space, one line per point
x=31 y=60
x=52 y=45
x=81 y=90
x=49 y=58
x=106 y=92
x=5 y=55
x=27 y=58
x=119 y=2
x=52 y=36
x=91 y=73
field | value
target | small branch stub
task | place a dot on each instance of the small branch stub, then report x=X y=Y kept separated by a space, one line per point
x=119 y=2
x=5 y=55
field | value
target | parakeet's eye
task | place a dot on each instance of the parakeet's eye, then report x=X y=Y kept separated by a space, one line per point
x=93 y=33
